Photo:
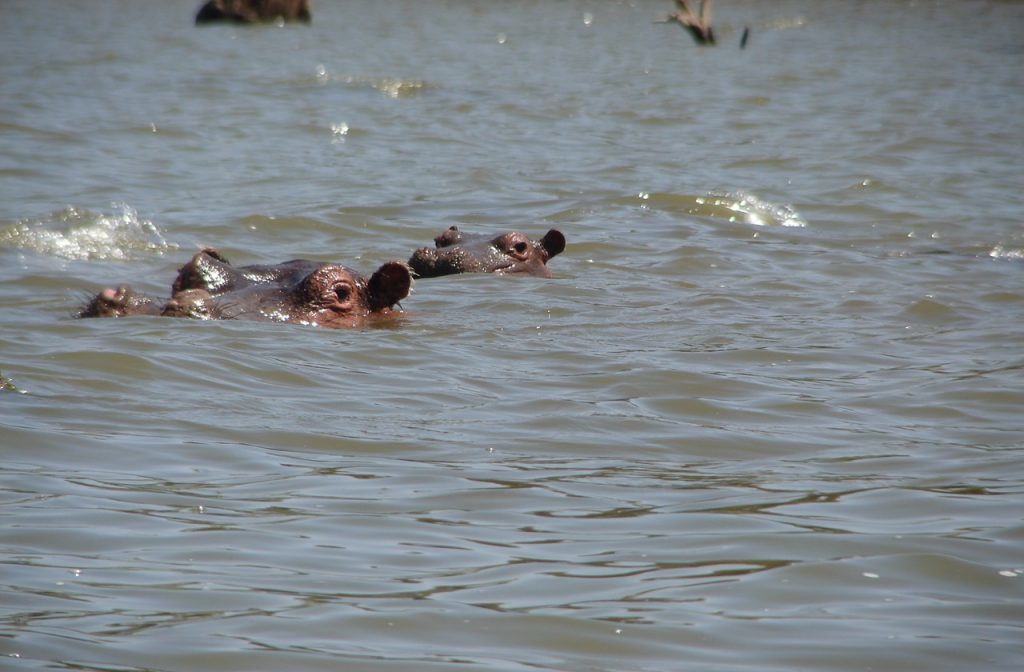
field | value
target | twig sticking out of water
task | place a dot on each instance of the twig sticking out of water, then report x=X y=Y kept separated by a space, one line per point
x=6 y=385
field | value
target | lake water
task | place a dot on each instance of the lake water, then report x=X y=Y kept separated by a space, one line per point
x=768 y=415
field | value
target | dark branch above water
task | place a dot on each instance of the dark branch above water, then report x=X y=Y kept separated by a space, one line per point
x=698 y=25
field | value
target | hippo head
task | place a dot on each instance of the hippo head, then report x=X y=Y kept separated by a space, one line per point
x=119 y=302
x=329 y=296
x=510 y=252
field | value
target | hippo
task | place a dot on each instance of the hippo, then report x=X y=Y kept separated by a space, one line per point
x=298 y=291
x=253 y=11
x=505 y=253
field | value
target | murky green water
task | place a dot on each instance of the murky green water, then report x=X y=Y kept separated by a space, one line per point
x=767 y=415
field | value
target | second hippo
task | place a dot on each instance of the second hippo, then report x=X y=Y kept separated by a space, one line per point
x=511 y=252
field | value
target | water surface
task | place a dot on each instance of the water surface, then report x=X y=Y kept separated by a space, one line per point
x=767 y=416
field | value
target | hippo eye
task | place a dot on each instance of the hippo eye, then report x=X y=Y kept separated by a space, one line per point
x=342 y=291
x=520 y=247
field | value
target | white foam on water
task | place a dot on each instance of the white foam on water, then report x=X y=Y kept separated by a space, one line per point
x=74 y=233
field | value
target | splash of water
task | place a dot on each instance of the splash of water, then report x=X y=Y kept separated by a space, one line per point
x=74 y=233
x=754 y=210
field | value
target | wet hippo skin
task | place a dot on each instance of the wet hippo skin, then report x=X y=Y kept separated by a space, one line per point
x=197 y=304
x=210 y=270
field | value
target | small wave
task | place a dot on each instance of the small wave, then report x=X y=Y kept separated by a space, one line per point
x=1001 y=251
x=392 y=87
x=74 y=233
x=754 y=210
x=786 y=24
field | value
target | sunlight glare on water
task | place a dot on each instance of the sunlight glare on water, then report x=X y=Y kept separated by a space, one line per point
x=755 y=210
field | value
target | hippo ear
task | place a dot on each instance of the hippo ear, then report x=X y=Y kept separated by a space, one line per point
x=553 y=242
x=209 y=251
x=388 y=285
x=449 y=236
